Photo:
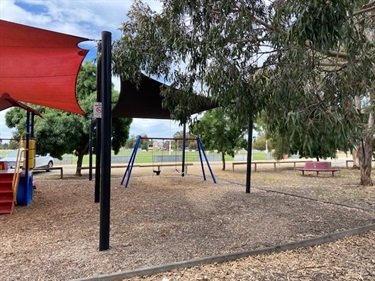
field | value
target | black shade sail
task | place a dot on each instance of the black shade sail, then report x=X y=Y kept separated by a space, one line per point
x=146 y=101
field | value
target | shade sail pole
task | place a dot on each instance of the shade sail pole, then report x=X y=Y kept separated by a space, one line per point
x=98 y=126
x=249 y=154
x=183 y=149
x=90 y=149
x=105 y=194
x=27 y=152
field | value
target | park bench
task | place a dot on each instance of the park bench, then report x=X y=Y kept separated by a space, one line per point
x=351 y=161
x=274 y=163
x=51 y=168
x=312 y=166
x=93 y=167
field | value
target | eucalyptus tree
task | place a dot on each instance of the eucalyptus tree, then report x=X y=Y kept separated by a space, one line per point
x=209 y=47
x=218 y=131
x=130 y=143
x=321 y=89
x=189 y=45
x=191 y=143
x=303 y=62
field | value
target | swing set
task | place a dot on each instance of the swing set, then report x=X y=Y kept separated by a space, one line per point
x=201 y=153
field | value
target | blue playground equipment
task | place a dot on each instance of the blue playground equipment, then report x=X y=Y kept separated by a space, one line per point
x=201 y=153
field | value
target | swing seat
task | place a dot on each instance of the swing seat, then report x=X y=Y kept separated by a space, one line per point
x=157 y=172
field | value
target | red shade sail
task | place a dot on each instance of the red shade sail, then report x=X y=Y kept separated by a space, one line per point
x=7 y=101
x=40 y=66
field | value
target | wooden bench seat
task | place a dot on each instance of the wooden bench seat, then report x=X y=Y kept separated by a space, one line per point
x=321 y=166
x=52 y=168
x=274 y=163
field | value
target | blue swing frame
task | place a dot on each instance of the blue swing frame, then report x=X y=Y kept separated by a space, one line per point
x=201 y=153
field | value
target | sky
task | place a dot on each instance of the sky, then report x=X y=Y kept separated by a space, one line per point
x=84 y=18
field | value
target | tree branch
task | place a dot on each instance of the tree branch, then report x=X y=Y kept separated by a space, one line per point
x=263 y=23
x=331 y=64
x=366 y=8
x=337 y=54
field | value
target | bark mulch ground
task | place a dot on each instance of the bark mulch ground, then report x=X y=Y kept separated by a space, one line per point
x=169 y=218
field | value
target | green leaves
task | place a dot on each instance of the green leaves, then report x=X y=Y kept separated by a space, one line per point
x=304 y=63
x=314 y=111
x=218 y=130
x=319 y=22
x=204 y=45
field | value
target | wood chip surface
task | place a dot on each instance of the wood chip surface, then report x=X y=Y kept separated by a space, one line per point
x=169 y=218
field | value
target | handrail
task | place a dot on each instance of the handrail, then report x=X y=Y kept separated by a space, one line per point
x=16 y=176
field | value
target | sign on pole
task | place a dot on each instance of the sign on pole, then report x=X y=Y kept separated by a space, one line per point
x=97 y=113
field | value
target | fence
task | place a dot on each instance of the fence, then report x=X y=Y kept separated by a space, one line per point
x=167 y=158
x=120 y=159
x=65 y=160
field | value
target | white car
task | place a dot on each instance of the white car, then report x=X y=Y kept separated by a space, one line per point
x=40 y=161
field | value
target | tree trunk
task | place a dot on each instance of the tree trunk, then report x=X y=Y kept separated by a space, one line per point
x=365 y=150
x=223 y=159
x=365 y=158
x=355 y=153
x=355 y=157
x=81 y=153
x=79 y=164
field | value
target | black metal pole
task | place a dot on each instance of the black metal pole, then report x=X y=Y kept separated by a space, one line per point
x=105 y=194
x=90 y=149
x=98 y=126
x=32 y=125
x=183 y=149
x=27 y=154
x=249 y=154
